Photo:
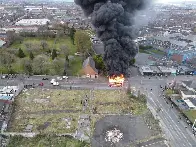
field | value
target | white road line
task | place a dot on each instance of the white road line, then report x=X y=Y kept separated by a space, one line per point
x=167 y=129
x=180 y=131
x=171 y=126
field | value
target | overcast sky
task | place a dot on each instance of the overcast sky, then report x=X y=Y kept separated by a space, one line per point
x=168 y=1
x=162 y=1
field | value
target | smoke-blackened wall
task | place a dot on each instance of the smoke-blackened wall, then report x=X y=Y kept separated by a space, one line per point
x=113 y=21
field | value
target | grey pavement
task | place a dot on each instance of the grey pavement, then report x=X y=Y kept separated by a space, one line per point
x=174 y=129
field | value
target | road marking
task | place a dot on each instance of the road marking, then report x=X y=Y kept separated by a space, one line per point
x=180 y=131
x=166 y=119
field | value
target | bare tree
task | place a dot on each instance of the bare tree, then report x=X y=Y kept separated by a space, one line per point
x=65 y=51
x=11 y=36
x=44 y=44
x=40 y=64
x=27 y=66
x=6 y=59
x=58 y=66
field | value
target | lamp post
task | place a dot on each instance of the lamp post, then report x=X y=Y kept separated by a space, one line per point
x=194 y=124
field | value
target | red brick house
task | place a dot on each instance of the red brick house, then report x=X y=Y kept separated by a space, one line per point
x=89 y=68
x=178 y=58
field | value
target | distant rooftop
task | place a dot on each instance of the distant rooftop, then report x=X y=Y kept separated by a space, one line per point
x=30 y=22
x=191 y=84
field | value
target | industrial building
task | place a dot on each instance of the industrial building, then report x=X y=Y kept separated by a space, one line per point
x=157 y=70
x=145 y=70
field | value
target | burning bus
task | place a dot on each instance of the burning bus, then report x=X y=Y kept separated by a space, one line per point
x=116 y=81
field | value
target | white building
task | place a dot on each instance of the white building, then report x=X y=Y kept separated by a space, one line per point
x=190 y=104
x=145 y=70
x=189 y=91
x=18 y=29
x=32 y=22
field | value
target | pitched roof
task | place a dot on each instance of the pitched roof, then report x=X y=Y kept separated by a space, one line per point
x=91 y=62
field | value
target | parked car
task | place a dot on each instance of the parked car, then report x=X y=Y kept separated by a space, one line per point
x=78 y=54
x=4 y=76
x=59 y=78
x=41 y=84
x=44 y=78
x=65 y=77
x=56 y=84
x=88 y=76
x=52 y=81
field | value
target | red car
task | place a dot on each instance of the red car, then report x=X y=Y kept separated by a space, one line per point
x=41 y=84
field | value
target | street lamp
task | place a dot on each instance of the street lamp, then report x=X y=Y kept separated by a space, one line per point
x=194 y=124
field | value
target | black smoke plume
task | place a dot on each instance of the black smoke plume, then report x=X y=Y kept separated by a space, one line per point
x=113 y=21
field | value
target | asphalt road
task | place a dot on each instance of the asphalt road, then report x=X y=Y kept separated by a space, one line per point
x=174 y=129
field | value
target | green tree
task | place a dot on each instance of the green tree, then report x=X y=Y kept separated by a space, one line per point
x=31 y=56
x=82 y=41
x=21 y=53
x=99 y=64
x=27 y=66
x=54 y=54
x=72 y=34
x=58 y=66
x=132 y=61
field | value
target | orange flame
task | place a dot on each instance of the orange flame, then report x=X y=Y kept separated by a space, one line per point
x=116 y=80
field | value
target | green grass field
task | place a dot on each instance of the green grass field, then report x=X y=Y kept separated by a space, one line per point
x=156 y=51
x=191 y=114
x=143 y=51
x=34 y=44
x=36 y=41
x=38 y=106
x=45 y=141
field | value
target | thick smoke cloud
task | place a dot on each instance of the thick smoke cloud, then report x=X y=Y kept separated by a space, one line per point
x=113 y=21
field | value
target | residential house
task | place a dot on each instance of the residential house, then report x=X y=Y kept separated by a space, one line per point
x=190 y=85
x=188 y=90
x=89 y=68
x=191 y=102
x=3 y=35
x=19 y=29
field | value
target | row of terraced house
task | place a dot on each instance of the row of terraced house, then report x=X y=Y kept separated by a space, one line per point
x=7 y=96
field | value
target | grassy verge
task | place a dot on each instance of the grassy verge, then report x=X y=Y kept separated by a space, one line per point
x=191 y=114
x=143 y=51
x=45 y=141
x=156 y=51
